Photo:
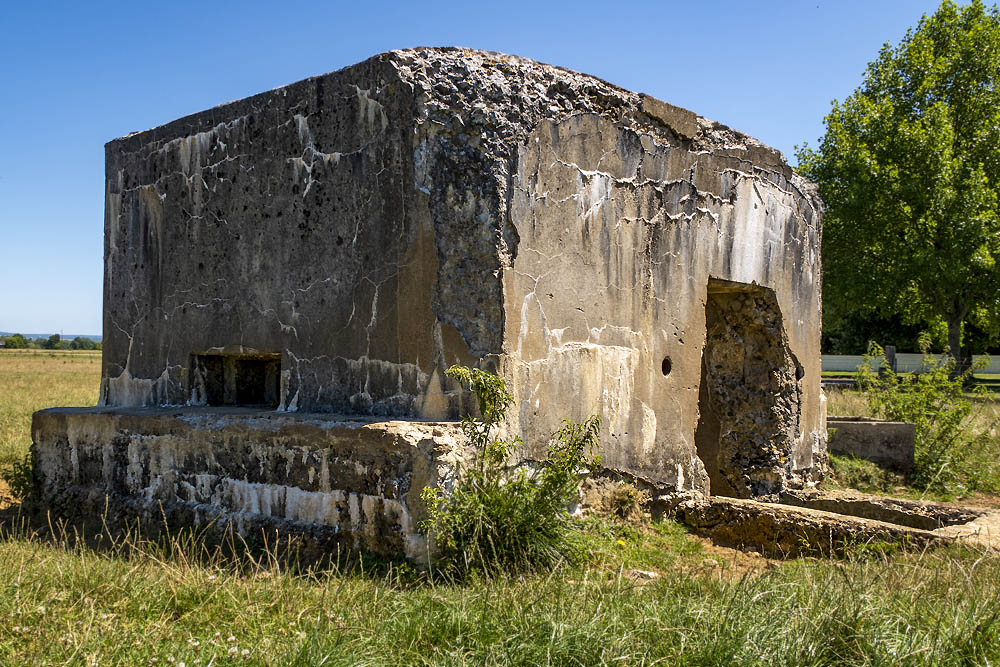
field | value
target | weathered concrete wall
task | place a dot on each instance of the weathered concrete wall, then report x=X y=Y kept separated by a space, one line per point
x=348 y=483
x=888 y=443
x=621 y=232
x=288 y=222
x=435 y=206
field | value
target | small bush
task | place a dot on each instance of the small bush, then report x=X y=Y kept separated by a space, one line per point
x=625 y=501
x=496 y=518
x=949 y=443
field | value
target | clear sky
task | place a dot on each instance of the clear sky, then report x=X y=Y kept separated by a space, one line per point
x=78 y=74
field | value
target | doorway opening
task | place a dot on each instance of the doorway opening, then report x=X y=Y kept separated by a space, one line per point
x=749 y=397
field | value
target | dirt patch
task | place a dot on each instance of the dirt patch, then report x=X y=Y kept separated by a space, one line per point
x=733 y=563
x=977 y=500
x=711 y=560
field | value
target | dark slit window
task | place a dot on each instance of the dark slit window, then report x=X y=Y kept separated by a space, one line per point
x=237 y=379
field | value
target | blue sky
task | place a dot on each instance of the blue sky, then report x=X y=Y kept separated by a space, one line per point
x=78 y=74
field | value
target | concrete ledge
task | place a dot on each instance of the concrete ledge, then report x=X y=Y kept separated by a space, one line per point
x=682 y=122
x=341 y=482
x=782 y=531
x=887 y=443
x=912 y=513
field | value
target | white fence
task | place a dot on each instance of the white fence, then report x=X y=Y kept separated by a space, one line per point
x=904 y=363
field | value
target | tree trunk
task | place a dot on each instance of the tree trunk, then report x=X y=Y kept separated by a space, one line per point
x=961 y=357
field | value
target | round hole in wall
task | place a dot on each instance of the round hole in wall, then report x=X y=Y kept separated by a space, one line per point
x=665 y=366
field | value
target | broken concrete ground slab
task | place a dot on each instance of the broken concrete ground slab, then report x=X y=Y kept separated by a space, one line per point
x=830 y=523
x=340 y=482
x=913 y=513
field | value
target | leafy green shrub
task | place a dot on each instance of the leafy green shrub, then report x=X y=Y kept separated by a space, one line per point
x=496 y=518
x=950 y=437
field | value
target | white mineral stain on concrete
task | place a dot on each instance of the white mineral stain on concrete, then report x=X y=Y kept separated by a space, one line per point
x=170 y=467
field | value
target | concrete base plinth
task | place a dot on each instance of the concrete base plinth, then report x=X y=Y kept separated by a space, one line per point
x=340 y=482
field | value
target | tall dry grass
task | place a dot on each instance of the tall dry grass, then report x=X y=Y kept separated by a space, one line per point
x=31 y=380
x=141 y=603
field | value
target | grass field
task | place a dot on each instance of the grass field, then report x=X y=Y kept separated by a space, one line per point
x=648 y=594
x=34 y=379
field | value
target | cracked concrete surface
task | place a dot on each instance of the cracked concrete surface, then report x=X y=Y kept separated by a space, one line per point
x=426 y=207
x=340 y=482
x=621 y=231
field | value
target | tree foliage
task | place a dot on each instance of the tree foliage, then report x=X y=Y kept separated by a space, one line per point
x=16 y=341
x=909 y=170
x=82 y=343
x=53 y=342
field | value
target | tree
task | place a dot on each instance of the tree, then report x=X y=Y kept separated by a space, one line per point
x=52 y=343
x=16 y=341
x=909 y=170
x=82 y=343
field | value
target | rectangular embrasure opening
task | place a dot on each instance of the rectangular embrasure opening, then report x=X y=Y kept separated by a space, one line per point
x=237 y=379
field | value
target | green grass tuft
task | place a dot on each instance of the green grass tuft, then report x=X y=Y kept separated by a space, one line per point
x=850 y=472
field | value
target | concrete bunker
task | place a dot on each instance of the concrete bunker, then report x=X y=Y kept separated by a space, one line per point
x=749 y=393
x=288 y=276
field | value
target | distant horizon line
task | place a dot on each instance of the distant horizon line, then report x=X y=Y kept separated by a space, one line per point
x=69 y=336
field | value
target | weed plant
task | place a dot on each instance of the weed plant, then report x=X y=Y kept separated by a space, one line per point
x=18 y=477
x=501 y=517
